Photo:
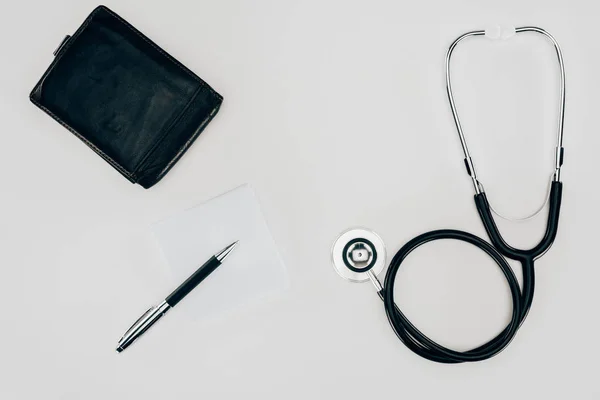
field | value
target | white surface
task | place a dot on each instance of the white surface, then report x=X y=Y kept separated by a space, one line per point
x=336 y=113
x=253 y=272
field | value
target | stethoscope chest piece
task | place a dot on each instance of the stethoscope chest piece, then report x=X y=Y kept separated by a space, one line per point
x=356 y=252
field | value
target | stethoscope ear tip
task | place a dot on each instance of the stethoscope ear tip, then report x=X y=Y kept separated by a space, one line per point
x=356 y=252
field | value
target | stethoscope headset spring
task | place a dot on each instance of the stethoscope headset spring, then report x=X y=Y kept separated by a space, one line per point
x=359 y=254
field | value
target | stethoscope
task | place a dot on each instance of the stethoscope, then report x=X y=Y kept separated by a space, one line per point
x=359 y=254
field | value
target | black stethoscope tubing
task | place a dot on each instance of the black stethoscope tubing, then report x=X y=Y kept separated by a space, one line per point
x=522 y=299
x=418 y=342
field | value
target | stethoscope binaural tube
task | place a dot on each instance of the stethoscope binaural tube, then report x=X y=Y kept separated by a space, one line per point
x=481 y=201
x=525 y=257
x=559 y=150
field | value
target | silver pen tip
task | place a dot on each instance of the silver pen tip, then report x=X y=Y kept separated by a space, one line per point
x=222 y=255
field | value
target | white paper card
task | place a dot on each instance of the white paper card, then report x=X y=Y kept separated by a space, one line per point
x=253 y=271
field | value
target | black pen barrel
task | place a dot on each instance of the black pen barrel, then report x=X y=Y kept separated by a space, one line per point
x=193 y=281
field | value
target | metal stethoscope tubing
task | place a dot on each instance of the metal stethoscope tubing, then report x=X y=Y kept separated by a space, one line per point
x=559 y=155
x=481 y=201
x=525 y=257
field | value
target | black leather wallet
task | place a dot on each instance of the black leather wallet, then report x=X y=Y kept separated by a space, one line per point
x=125 y=97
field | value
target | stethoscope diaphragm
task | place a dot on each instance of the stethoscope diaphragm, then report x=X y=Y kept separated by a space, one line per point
x=356 y=252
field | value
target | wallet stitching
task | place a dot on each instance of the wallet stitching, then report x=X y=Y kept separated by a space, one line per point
x=161 y=51
x=162 y=137
x=188 y=142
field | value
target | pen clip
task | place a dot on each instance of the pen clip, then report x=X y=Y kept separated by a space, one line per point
x=136 y=323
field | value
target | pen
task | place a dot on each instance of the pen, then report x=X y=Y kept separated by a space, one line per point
x=156 y=312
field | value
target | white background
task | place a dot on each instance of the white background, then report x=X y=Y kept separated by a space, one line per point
x=336 y=113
